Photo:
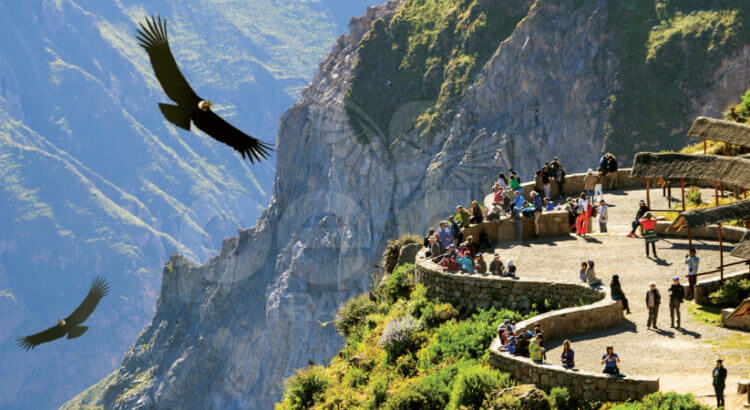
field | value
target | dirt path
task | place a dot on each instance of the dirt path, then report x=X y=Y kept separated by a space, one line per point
x=681 y=358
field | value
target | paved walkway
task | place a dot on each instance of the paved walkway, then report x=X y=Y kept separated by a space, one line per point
x=681 y=358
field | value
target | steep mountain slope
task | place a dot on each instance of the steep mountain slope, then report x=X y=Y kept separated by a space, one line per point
x=95 y=182
x=355 y=169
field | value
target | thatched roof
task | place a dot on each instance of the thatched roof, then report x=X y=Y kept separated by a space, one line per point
x=720 y=130
x=742 y=311
x=729 y=170
x=742 y=250
x=706 y=216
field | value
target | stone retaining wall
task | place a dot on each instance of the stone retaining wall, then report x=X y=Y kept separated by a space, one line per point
x=552 y=223
x=580 y=384
x=483 y=291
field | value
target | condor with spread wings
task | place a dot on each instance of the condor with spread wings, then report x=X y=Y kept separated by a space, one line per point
x=153 y=38
x=70 y=325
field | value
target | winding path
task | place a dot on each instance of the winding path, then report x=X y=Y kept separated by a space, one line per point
x=683 y=358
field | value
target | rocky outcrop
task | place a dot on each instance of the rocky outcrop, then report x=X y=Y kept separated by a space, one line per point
x=225 y=334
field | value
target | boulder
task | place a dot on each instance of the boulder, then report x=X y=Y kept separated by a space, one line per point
x=408 y=253
x=525 y=396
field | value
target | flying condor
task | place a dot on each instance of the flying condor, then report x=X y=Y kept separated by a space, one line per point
x=70 y=325
x=190 y=107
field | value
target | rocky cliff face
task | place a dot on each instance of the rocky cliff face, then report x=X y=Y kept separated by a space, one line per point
x=225 y=334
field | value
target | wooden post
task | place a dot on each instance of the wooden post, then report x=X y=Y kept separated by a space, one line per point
x=716 y=192
x=721 y=256
x=726 y=148
x=721 y=186
x=669 y=195
x=704 y=146
x=648 y=192
x=682 y=188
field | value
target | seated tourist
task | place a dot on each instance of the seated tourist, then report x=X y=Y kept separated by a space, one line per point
x=496 y=266
x=538 y=330
x=591 y=278
x=524 y=340
x=511 y=268
x=536 y=351
x=476 y=213
x=617 y=293
x=448 y=261
x=479 y=265
x=465 y=263
x=434 y=250
x=610 y=360
x=426 y=241
x=582 y=272
x=511 y=344
x=462 y=217
x=471 y=245
x=548 y=205
x=568 y=356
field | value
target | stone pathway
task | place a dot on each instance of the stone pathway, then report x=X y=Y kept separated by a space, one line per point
x=681 y=358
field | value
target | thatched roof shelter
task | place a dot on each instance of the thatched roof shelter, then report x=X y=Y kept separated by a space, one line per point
x=742 y=250
x=706 y=216
x=720 y=130
x=729 y=170
x=742 y=311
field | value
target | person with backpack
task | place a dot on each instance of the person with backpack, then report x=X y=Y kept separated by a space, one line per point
x=538 y=209
x=589 y=182
x=611 y=168
x=676 y=296
x=648 y=225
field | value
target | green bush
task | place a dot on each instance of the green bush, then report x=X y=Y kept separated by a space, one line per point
x=406 y=365
x=731 y=294
x=379 y=391
x=353 y=313
x=399 y=284
x=474 y=384
x=466 y=339
x=659 y=400
x=356 y=377
x=305 y=387
x=434 y=314
x=428 y=393
x=559 y=398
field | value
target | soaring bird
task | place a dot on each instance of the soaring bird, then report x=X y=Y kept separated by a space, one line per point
x=69 y=325
x=153 y=38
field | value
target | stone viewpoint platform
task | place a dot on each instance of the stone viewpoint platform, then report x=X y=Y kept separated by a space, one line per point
x=668 y=359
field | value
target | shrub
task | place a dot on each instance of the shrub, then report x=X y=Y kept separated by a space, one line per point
x=559 y=398
x=406 y=365
x=433 y=314
x=353 y=313
x=379 y=391
x=355 y=377
x=694 y=196
x=305 y=387
x=659 y=400
x=467 y=339
x=731 y=293
x=474 y=384
x=400 y=336
x=425 y=393
x=399 y=284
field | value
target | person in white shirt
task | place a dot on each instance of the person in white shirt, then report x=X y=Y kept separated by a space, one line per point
x=603 y=216
x=692 y=261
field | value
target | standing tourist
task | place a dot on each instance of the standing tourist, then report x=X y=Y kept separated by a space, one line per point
x=611 y=168
x=456 y=235
x=538 y=208
x=502 y=180
x=589 y=181
x=676 y=295
x=536 y=351
x=648 y=225
x=692 y=261
x=568 y=356
x=444 y=235
x=603 y=216
x=653 y=300
x=598 y=191
x=617 y=293
x=719 y=380
x=582 y=209
x=546 y=181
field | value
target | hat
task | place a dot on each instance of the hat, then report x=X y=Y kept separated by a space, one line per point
x=510 y=262
x=451 y=246
x=652 y=284
x=676 y=278
x=641 y=202
x=479 y=254
x=554 y=158
x=719 y=360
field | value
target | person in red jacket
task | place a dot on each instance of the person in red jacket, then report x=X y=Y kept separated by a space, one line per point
x=648 y=225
